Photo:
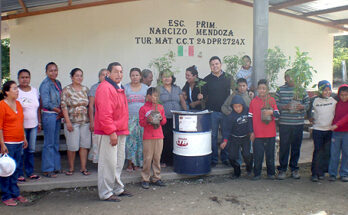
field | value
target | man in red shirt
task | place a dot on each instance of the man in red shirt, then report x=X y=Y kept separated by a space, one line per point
x=111 y=126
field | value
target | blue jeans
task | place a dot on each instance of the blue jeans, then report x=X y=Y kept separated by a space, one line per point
x=27 y=158
x=290 y=138
x=339 y=142
x=216 y=122
x=50 y=150
x=321 y=153
x=263 y=146
x=9 y=186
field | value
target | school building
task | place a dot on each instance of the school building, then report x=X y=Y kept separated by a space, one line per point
x=91 y=34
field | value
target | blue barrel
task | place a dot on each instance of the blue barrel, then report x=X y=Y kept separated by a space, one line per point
x=192 y=142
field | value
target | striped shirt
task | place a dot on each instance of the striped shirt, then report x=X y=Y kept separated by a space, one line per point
x=284 y=96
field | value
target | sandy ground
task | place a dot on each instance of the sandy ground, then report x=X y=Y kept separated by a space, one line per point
x=203 y=195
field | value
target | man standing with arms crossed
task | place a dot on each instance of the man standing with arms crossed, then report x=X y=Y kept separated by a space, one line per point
x=215 y=92
x=111 y=123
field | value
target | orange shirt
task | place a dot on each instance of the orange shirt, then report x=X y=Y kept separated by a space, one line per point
x=11 y=123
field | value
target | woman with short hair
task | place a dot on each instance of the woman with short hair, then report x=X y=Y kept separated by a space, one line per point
x=30 y=101
x=12 y=141
x=172 y=99
x=76 y=121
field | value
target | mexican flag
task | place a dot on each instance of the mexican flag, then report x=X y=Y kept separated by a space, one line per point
x=185 y=51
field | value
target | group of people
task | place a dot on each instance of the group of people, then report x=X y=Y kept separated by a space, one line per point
x=111 y=122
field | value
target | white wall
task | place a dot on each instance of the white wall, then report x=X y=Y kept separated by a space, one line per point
x=90 y=38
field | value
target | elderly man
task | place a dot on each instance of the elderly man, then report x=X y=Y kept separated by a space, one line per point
x=146 y=77
x=111 y=123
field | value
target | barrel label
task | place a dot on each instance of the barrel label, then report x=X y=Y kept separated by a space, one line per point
x=187 y=122
x=192 y=144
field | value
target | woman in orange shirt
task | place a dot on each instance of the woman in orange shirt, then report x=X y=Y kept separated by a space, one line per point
x=12 y=141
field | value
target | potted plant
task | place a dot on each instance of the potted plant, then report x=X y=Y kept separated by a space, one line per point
x=301 y=74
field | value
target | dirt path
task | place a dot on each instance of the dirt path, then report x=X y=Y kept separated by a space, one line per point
x=208 y=195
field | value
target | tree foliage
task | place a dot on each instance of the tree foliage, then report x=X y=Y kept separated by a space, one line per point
x=340 y=54
x=163 y=65
x=301 y=73
x=275 y=61
x=233 y=64
x=5 y=59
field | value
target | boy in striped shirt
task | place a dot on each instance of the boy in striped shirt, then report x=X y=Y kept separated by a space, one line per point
x=290 y=128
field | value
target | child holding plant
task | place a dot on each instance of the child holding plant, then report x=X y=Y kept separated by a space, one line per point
x=152 y=138
x=263 y=134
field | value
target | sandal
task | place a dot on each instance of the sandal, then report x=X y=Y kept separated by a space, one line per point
x=69 y=172
x=129 y=169
x=35 y=177
x=22 y=199
x=85 y=172
x=10 y=202
x=58 y=171
x=49 y=174
x=21 y=179
x=113 y=198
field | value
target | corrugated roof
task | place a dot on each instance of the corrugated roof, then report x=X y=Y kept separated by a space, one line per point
x=333 y=13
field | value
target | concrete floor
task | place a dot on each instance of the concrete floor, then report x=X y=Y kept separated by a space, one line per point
x=79 y=180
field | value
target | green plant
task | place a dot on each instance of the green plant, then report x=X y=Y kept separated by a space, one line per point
x=301 y=73
x=340 y=54
x=164 y=64
x=200 y=84
x=5 y=60
x=233 y=63
x=275 y=61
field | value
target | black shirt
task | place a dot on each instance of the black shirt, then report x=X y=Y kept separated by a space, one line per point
x=194 y=94
x=216 y=90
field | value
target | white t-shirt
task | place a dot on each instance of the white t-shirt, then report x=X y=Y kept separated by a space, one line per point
x=30 y=103
x=324 y=112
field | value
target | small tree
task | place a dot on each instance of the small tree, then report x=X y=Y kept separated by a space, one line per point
x=233 y=63
x=275 y=61
x=301 y=74
x=163 y=64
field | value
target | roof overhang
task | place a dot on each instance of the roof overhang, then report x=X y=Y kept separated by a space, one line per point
x=330 y=13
